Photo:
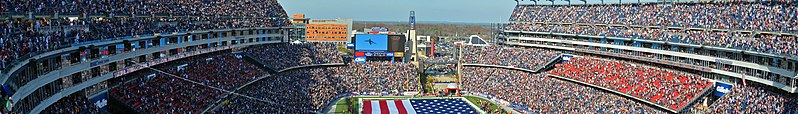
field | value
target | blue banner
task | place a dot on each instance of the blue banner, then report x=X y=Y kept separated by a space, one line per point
x=389 y=54
x=721 y=89
x=7 y=90
x=360 y=59
x=565 y=58
x=369 y=53
x=101 y=101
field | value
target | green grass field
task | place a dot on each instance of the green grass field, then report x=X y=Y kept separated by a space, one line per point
x=342 y=106
x=475 y=100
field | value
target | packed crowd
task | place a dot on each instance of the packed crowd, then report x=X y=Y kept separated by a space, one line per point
x=307 y=90
x=293 y=91
x=536 y=93
x=72 y=104
x=527 y=58
x=281 y=56
x=441 y=69
x=670 y=89
x=257 y=8
x=754 y=99
x=769 y=43
x=379 y=76
x=22 y=37
x=164 y=93
x=775 y=16
x=444 y=52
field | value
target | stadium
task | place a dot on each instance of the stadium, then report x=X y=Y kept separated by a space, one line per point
x=251 y=56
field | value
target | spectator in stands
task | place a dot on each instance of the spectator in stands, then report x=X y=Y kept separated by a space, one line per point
x=537 y=93
x=23 y=38
x=527 y=58
x=770 y=16
x=282 y=56
x=148 y=94
x=75 y=104
x=760 y=16
x=310 y=90
x=671 y=89
x=754 y=99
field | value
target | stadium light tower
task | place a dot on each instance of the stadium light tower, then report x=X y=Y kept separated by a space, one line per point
x=552 y=2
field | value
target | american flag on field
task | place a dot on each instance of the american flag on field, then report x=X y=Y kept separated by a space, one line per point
x=418 y=106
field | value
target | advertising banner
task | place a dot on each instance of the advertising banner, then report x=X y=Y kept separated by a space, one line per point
x=360 y=59
x=399 y=54
x=721 y=89
x=379 y=29
x=101 y=101
x=389 y=54
x=360 y=54
x=372 y=53
x=371 y=42
x=379 y=54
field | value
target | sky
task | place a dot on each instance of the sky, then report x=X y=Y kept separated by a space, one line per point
x=470 y=11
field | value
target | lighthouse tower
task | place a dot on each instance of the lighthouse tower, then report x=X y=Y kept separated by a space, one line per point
x=411 y=34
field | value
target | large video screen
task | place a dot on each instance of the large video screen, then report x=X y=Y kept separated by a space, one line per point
x=371 y=42
x=397 y=43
